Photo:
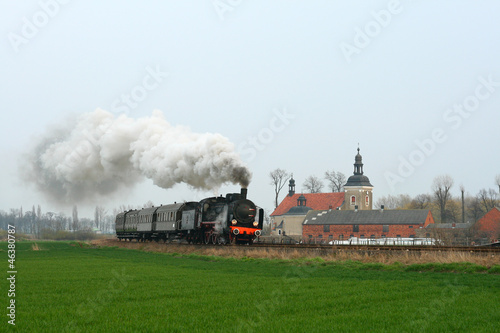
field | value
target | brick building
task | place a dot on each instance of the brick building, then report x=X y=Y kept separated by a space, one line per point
x=487 y=228
x=343 y=224
x=287 y=218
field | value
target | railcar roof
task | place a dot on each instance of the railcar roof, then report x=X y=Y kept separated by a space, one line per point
x=147 y=211
x=169 y=208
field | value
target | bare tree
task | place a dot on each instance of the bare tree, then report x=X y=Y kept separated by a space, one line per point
x=33 y=220
x=441 y=189
x=488 y=199
x=148 y=204
x=474 y=208
x=336 y=180
x=497 y=181
x=313 y=184
x=99 y=214
x=74 y=225
x=394 y=201
x=421 y=201
x=278 y=180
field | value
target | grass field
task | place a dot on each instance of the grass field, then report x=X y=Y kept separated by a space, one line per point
x=62 y=286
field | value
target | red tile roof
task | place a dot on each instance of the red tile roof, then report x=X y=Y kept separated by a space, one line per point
x=490 y=223
x=317 y=201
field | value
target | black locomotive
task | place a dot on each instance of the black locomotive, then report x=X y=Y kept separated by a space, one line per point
x=215 y=220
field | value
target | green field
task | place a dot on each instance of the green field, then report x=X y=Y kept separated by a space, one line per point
x=64 y=287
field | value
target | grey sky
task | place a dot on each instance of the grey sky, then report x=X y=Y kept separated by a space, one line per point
x=293 y=84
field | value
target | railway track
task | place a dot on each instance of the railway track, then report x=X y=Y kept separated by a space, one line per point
x=370 y=248
x=432 y=248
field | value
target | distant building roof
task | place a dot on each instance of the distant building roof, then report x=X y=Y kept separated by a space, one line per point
x=490 y=222
x=314 y=201
x=449 y=225
x=411 y=216
x=298 y=210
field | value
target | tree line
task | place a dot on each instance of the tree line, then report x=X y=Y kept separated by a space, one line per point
x=445 y=206
x=50 y=225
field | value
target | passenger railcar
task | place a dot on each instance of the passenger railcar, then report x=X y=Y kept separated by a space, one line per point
x=215 y=220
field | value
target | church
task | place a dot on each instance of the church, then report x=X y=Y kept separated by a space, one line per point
x=329 y=216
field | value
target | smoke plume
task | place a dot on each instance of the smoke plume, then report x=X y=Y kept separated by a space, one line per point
x=101 y=154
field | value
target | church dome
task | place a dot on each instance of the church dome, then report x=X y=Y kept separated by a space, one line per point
x=358 y=179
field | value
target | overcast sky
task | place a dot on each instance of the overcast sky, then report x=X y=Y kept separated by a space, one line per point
x=293 y=84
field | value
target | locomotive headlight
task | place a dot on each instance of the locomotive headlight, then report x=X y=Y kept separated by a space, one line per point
x=234 y=221
x=255 y=224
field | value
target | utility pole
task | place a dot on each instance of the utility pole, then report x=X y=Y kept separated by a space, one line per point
x=462 y=189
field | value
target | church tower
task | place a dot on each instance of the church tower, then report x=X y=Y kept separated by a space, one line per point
x=291 y=187
x=358 y=190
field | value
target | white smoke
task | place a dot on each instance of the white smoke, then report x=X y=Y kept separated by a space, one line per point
x=101 y=154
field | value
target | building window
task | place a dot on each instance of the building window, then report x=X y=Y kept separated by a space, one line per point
x=385 y=228
x=320 y=236
x=412 y=236
x=383 y=236
x=341 y=236
x=310 y=236
x=362 y=236
x=330 y=237
x=326 y=228
x=279 y=231
x=398 y=236
x=428 y=235
x=367 y=200
x=411 y=227
x=351 y=236
x=372 y=236
x=353 y=200
x=355 y=228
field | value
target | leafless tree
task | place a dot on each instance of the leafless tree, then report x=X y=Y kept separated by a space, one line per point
x=313 y=184
x=33 y=220
x=278 y=180
x=74 y=225
x=99 y=214
x=394 y=201
x=336 y=180
x=441 y=189
x=148 y=204
x=497 y=181
x=488 y=199
x=421 y=201
x=474 y=208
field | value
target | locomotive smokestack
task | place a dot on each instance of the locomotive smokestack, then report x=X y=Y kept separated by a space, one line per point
x=244 y=193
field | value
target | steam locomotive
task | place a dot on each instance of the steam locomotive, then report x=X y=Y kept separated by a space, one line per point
x=215 y=220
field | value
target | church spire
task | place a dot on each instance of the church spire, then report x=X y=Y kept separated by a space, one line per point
x=358 y=164
x=291 y=186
